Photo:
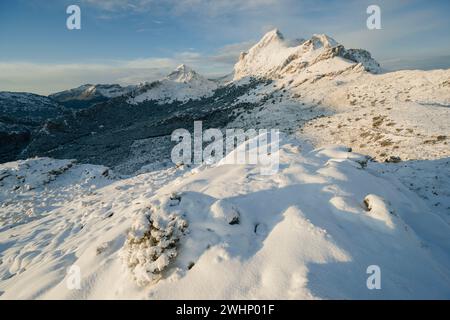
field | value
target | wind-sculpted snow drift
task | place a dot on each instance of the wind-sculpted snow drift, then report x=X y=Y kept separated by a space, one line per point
x=310 y=230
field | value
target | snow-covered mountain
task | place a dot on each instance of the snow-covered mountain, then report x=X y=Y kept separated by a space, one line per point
x=273 y=56
x=89 y=94
x=182 y=85
x=363 y=180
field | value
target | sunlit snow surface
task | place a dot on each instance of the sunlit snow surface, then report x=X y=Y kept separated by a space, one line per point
x=304 y=232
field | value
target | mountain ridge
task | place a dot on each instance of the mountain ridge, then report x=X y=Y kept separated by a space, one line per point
x=273 y=56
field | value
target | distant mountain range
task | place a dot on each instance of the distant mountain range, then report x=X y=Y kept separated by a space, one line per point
x=88 y=94
x=119 y=126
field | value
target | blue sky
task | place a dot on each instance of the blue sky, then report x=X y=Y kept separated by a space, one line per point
x=128 y=41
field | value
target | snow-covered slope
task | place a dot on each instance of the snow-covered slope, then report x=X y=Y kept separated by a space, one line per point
x=274 y=57
x=182 y=85
x=398 y=117
x=404 y=114
x=88 y=94
x=33 y=188
x=309 y=231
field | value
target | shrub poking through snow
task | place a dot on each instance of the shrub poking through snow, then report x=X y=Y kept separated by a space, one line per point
x=152 y=244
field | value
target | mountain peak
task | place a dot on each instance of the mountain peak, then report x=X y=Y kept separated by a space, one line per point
x=183 y=68
x=323 y=40
x=273 y=56
x=273 y=36
x=183 y=73
x=182 y=84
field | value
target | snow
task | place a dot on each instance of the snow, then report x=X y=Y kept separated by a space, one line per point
x=332 y=218
x=182 y=85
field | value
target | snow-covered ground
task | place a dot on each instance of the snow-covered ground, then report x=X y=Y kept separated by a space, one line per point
x=363 y=180
x=31 y=189
x=403 y=113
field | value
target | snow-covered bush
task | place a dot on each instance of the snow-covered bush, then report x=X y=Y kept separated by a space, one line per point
x=152 y=243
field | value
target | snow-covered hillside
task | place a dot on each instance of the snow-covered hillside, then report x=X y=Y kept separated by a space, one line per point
x=310 y=231
x=403 y=114
x=31 y=189
x=399 y=117
x=182 y=85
